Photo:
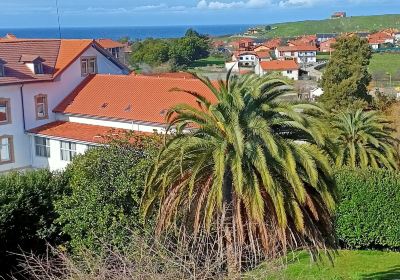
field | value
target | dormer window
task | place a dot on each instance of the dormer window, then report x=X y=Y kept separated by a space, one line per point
x=33 y=62
x=38 y=67
x=2 y=70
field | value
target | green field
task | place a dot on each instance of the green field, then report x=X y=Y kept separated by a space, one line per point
x=209 y=61
x=348 y=265
x=386 y=63
x=349 y=24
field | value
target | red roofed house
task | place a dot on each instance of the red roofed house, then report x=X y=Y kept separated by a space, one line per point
x=116 y=48
x=243 y=44
x=326 y=46
x=339 y=15
x=288 y=68
x=273 y=43
x=35 y=76
x=310 y=40
x=377 y=39
x=303 y=54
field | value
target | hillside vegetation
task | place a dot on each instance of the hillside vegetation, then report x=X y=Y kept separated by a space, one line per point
x=349 y=24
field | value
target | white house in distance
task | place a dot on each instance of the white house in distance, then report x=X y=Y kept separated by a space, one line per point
x=288 y=68
x=35 y=76
x=303 y=54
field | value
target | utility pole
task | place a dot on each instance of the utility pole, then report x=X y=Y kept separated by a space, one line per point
x=390 y=79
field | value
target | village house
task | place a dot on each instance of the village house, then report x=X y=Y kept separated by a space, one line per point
x=117 y=49
x=243 y=44
x=104 y=105
x=261 y=48
x=273 y=43
x=35 y=76
x=338 y=15
x=288 y=68
x=376 y=40
x=327 y=46
x=310 y=40
x=302 y=54
x=322 y=37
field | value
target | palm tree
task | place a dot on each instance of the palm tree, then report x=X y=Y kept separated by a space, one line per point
x=363 y=139
x=247 y=164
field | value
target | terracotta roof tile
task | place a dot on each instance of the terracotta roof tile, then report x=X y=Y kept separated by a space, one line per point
x=137 y=98
x=297 y=48
x=277 y=65
x=109 y=44
x=77 y=131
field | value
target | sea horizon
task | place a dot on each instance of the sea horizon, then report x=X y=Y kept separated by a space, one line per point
x=117 y=32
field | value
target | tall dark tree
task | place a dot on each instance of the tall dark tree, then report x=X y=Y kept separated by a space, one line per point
x=346 y=77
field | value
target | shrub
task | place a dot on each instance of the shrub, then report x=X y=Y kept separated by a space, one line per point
x=368 y=215
x=106 y=188
x=27 y=213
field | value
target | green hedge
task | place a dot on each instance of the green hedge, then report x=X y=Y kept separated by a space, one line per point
x=27 y=213
x=368 y=214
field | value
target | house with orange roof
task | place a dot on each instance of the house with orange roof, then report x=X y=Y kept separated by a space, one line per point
x=288 y=68
x=310 y=40
x=302 y=54
x=327 y=46
x=376 y=40
x=273 y=43
x=104 y=105
x=117 y=49
x=242 y=44
x=35 y=76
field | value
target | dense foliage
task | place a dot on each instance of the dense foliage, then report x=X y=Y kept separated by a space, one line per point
x=368 y=213
x=363 y=139
x=27 y=213
x=178 y=52
x=106 y=188
x=254 y=166
x=346 y=76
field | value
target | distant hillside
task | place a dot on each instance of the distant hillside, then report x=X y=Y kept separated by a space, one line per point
x=349 y=24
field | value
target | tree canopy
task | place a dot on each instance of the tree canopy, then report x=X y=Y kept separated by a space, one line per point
x=254 y=167
x=179 y=52
x=346 y=76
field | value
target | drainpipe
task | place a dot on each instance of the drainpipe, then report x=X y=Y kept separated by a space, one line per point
x=23 y=107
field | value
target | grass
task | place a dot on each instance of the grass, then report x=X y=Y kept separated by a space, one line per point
x=211 y=60
x=386 y=63
x=349 y=24
x=348 y=265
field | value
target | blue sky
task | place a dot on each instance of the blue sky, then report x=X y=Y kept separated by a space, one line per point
x=42 y=13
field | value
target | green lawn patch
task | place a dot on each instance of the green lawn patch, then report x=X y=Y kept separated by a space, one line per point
x=348 y=265
x=386 y=63
x=209 y=61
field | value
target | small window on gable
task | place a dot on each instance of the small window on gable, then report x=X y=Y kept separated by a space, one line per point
x=88 y=65
x=41 y=107
x=5 y=111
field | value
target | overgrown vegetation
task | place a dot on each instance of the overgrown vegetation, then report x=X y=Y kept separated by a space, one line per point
x=27 y=213
x=178 y=53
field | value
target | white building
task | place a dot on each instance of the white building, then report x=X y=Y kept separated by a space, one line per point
x=35 y=76
x=287 y=68
x=303 y=54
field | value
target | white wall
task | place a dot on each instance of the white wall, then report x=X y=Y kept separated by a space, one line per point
x=293 y=76
x=16 y=129
x=56 y=91
x=130 y=125
x=54 y=162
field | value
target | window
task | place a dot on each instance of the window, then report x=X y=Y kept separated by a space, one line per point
x=5 y=112
x=289 y=71
x=41 y=107
x=68 y=150
x=42 y=147
x=6 y=149
x=38 y=67
x=2 y=72
x=88 y=65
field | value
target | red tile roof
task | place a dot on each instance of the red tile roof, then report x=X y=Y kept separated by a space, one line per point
x=263 y=54
x=179 y=75
x=137 y=98
x=379 y=38
x=77 y=131
x=278 y=65
x=109 y=44
x=273 y=43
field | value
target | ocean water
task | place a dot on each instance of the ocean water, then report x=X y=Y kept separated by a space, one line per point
x=133 y=32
